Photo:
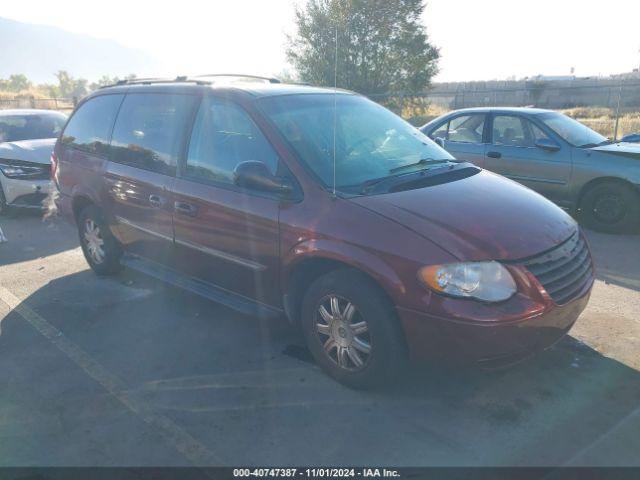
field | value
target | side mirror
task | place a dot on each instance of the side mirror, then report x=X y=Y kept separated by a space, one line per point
x=256 y=175
x=439 y=141
x=548 y=145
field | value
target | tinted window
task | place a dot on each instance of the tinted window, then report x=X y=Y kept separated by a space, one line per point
x=150 y=130
x=90 y=125
x=30 y=127
x=224 y=136
x=511 y=130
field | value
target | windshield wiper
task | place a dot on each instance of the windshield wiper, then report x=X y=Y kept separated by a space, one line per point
x=422 y=161
x=600 y=144
x=369 y=184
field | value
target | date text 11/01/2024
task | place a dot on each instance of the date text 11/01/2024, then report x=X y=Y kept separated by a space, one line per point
x=316 y=472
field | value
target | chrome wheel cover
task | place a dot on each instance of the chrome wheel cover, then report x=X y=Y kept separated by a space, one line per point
x=93 y=241
x=343 y=333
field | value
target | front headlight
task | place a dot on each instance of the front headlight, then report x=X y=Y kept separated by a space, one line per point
x=487 y=281
x=20 y=171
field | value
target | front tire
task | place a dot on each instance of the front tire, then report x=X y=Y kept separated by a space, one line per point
x=4 y=208
x=611 y=207
x=352 y=330
x=100 y=248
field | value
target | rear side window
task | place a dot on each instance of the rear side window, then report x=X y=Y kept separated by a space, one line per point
x=223 y=136
x=463 y=128
x=90 y=125
x=150 y=130
x=466 y=129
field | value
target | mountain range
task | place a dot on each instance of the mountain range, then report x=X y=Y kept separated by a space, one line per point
x=39 y=51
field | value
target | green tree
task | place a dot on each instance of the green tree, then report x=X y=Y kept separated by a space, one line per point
x=383 y=47
x=70 y=87
x=17 y=83
x=107 y=80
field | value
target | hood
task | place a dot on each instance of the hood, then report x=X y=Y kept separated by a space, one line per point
x=481 y=217
x=623 y=148
x=37 y=151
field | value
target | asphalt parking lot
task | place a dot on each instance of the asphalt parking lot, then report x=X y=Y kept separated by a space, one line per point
x=126 y=371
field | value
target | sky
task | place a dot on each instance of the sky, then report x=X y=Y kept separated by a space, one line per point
x=478 y=40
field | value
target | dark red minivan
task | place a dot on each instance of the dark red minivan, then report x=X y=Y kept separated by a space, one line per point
x=324 y=206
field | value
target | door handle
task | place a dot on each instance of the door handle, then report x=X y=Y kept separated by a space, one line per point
x=156 y=200
x=185 y=208
x=494 y=154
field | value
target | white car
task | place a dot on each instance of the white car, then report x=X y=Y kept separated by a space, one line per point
x=27 y=138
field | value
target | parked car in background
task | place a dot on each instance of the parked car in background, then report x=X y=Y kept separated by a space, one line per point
x=631 y=138
x=326 y=207
x=554 y=155
x=27 y=138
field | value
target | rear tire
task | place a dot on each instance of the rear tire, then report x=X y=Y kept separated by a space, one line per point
x=357 y=339
x=100 y=248
x=611 y=207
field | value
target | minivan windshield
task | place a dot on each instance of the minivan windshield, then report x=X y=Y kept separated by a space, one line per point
x=370 y=141
x=574 y=132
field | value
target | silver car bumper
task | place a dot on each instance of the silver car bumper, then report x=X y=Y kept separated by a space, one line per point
x=25 y=193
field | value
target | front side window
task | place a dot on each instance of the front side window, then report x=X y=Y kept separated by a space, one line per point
x=223 y=136
x=90 y=125
x=512 y=131
x=370 y=141
x=150 y=129
x=537 y=133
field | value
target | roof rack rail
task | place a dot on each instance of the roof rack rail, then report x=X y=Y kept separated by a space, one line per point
x=150 y=80
x=240 y=75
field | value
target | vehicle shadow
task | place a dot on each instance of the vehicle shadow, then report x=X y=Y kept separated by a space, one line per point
x=230 y=381
x=30 y=235
x=616 y=258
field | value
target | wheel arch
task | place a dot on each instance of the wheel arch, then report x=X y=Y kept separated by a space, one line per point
x=302 y=269
x=80 y=202
x=599 y=181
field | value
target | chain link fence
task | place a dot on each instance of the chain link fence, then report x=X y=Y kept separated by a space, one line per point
x=609 y=106
x=63 y=104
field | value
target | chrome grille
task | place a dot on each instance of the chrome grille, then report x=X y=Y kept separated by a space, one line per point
x=565 y=271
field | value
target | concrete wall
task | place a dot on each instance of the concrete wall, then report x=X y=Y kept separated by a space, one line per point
x=545 y=93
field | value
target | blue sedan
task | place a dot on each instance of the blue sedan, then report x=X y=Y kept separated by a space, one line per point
x=556 y=156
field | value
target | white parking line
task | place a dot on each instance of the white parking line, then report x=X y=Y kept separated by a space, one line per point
x=182 y=441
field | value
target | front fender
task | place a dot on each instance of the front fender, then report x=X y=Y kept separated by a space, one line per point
x=347 y=254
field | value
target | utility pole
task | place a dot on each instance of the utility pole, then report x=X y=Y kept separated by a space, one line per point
x=615 y=130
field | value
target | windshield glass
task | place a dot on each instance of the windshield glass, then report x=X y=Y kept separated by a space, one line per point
x=371 y=142
x=574 y=132
x=30 y=127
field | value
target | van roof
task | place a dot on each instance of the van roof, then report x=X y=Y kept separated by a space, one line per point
x=250 y=85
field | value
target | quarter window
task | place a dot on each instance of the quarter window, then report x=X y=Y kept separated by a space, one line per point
x=223 y=136
x=150 y=130
x=90 y=125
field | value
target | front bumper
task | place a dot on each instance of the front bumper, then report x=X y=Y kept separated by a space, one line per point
x=25 y=193
x=488 y=343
